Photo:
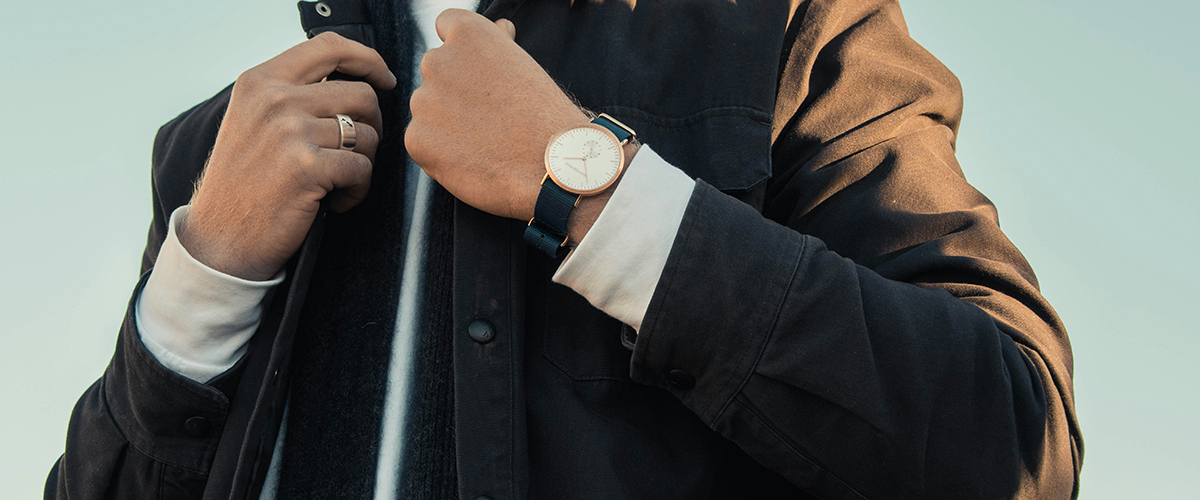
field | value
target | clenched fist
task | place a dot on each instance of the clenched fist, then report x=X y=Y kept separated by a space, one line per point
x=277 y=155
x=483 y=115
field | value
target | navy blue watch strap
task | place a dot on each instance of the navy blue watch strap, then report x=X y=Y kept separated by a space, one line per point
x=554 y=245
x=554 y=206
x=547 y=231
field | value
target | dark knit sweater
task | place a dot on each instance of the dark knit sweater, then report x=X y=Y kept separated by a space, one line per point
x=338 y=394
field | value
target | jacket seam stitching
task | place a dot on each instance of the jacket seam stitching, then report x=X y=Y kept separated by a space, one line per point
x=161 y=475
x=581 y=378
x=750 y=410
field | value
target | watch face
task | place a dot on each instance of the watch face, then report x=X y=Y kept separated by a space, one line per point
x=584 y=159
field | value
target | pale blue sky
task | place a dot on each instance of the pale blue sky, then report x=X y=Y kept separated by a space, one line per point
x=1077 y=117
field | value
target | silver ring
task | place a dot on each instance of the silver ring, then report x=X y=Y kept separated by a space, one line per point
x=349 y=135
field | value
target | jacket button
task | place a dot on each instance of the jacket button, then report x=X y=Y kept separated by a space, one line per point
x=197 y=427
x=681 y=379
x=481 y=331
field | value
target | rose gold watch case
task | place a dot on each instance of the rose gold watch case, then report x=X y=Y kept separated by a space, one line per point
x=607 y=133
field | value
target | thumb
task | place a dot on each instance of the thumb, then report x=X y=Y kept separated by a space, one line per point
x=508 y=27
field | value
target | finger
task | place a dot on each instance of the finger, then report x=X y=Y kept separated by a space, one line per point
x=354 y=99
x=508 y=27
x=312 y=60
x=367 y=138
x=450 y=19
x=341 y=200
x=349 y=174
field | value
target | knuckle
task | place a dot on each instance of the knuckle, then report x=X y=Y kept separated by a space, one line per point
x=274 y=99
x=367 y=135
x=247 y=81
x=429 y=63
x=413 y=143
x=464 y=24
x=292 y=127
x=306 y=157
x=453 y=20
x=446 y=19
x=244 y=79
x=419 y=101
x=329 y=39
x=353 y=170
x=365 y=93
x=331 y=44
x=471 y=30
x=362 y=169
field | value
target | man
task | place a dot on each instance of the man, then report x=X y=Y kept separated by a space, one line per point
x=830 y=310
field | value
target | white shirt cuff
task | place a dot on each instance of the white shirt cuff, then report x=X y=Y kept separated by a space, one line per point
x=617 y=265
x=195 y=320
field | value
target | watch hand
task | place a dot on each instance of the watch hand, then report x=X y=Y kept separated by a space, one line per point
x=585 y=175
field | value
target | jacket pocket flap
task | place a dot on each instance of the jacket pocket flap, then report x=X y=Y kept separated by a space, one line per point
x=727 y=147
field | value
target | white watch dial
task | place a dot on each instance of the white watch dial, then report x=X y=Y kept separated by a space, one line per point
x=584 y=160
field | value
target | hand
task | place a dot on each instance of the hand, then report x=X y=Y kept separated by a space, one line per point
x=484 y=114
x=276 y=155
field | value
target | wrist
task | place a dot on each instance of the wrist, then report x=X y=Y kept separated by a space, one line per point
x=212 y=245
x=589 y=208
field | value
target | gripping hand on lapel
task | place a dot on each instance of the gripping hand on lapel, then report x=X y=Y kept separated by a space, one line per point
x=279 y=151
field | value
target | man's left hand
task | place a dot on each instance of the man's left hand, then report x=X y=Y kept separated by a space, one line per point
x=483 y=115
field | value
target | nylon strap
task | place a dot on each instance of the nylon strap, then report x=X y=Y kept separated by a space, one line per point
x=547 y=231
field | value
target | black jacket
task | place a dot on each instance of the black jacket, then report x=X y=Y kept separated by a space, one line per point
x=840 y=315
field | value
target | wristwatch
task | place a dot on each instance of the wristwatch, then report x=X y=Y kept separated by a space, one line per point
x=581 y=160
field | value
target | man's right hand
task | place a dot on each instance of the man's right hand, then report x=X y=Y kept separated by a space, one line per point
x=276 y=156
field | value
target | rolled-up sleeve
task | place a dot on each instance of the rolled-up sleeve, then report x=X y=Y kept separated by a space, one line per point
x=141 y=431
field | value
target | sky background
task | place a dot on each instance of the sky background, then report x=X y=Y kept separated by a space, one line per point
x=1076 y=123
